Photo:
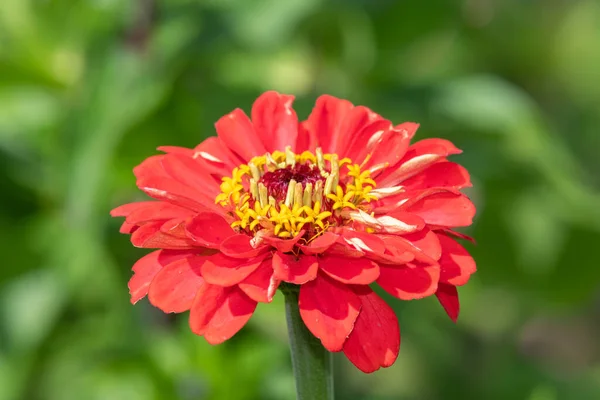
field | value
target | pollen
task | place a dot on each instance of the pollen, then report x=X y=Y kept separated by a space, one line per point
x=286 y=194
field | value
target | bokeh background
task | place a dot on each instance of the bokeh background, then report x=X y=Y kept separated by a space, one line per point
x=89 y=88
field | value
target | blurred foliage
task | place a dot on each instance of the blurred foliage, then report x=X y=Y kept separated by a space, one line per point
x=89 y=88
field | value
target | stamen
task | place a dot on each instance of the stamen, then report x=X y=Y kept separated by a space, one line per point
x=298 y=193
x=320 y=159
x=271 y=163
x=253 y=189
x=290 y=193
x=335 y=170
x=262 y=194
x=307 y=198
x=254 y=171
x=329 y=185
x=318 y=192
x=290 y=157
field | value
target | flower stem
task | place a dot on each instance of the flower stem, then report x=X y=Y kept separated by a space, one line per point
x=312 y=363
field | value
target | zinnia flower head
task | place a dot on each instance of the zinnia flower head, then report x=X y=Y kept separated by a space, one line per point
x=332 y=204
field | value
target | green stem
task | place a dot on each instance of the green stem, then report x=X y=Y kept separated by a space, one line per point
x=312 y=363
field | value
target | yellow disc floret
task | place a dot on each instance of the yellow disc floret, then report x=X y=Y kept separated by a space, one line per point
x=286 y=193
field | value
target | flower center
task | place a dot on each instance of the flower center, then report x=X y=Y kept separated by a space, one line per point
x=284 y=194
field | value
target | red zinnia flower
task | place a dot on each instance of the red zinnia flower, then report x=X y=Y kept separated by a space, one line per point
x=333 y=204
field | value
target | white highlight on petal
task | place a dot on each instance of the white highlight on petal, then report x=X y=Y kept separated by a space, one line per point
x=374 y=139
x=384 y=223
x=158 y=192
x=415 y=165
x=393 y=225
x=206 y=156
x=358 y=244
x=388 y=191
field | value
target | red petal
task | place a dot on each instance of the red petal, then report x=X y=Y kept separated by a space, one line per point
x=443 y=174
x=174 y=287
x=427 y=242
x=447 y=295
x=411 y=281
x=169 y=190
x=375 y=339
x=261 y=285
x=238 y=246
x=150 y=236
x=298 y=270
x=126 y=209
x=390 y=148
x=176 y=150
x=275 y=121
x=146 y=268
x=444 y=209
x=335 y=122
x=283 y=245
x=209 y=229
x=363 y=241
x=157 y=210
x=189 y=171
x=127 y=228
x=216 y=156
x=329 y=309
x=320 y=244
x=235 y=130
x=357 y=271
x=456 y=264
x=221 y=270
x=418 y=157
x=219 y=313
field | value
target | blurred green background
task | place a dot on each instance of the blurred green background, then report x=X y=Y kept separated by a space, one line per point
x=89 y=88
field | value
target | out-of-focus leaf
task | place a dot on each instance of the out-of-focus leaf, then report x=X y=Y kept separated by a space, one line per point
x=29 y=307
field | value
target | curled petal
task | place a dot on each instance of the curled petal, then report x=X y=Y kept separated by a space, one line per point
x=410 y=281
x=150 y=236
x=236 y=131
x=447 y=295
x=456 y=264
x=146 y=268
x=262 y=284
x=444 y=208
x=218 y=313
x=174 y=287
x=209 y=229
x=442 y=174
x=275 y=121
x=293 y=269
x=328 y=309
x=239 y=246
x=375 y=339
x=221 y=270
x=320 y=244
x=357 y=271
